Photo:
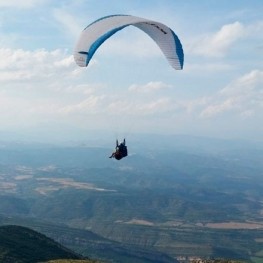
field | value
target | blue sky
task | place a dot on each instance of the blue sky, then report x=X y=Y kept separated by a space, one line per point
x=129 y=87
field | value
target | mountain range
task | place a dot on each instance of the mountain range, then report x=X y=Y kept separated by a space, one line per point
x=173 y=198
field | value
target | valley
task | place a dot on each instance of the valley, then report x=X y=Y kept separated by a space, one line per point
x=186 y=205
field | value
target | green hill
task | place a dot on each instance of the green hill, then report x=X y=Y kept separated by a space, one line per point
x=72 y=261
x=23 y=245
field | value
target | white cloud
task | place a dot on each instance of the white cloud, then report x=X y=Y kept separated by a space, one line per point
x=244 y=96
x=217 y=108
x=141 y=108
x=87 y=106
x=38 y=85
x=193 y=106
x=158 y=106
x=29 y=65
x=85 y=89
x=64 y=62
x=149 y=87
x=245 y=86
x=27 y=75
x=20 y=4
x=217 y=44
x=120 y=107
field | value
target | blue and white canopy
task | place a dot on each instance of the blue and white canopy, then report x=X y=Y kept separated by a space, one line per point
x=100 y=30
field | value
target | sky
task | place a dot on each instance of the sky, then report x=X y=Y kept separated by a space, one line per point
x=129 y=87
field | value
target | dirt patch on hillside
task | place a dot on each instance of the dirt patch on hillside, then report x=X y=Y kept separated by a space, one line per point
x=235 y=225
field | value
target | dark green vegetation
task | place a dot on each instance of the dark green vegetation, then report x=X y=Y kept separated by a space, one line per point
x=73 y=261
x=22 y=245
x=215 y=261
x=77 y=261
x=181 y=198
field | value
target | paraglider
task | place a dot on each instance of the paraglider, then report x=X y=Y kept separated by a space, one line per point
x=100 y=30
x=120 y=150
x=95 y=34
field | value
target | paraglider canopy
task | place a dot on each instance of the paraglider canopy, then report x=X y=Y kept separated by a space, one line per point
x=100 y=30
